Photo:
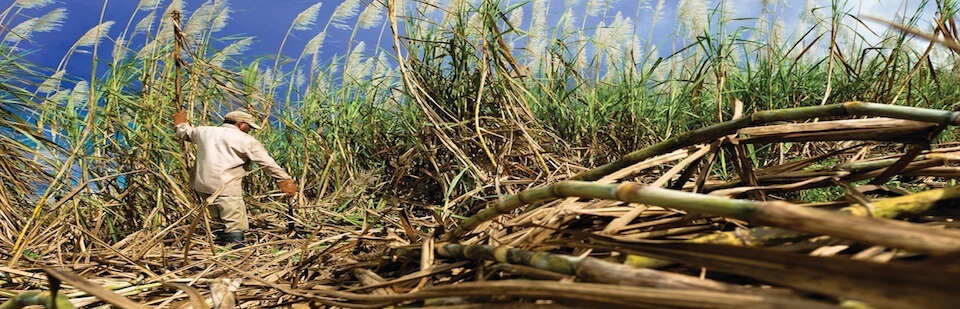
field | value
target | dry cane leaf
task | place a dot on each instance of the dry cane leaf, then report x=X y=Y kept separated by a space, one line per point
x=196 y=300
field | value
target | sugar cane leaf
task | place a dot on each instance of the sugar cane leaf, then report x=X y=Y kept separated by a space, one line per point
x=91 y=288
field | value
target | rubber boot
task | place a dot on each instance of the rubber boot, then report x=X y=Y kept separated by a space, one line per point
x=230 y=238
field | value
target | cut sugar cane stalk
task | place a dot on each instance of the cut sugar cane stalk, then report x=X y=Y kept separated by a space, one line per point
x=912 y=237
x=760 y=236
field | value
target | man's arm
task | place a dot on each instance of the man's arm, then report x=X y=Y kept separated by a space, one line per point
x=259 y=155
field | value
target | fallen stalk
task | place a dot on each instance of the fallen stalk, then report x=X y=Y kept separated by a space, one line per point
x=595 y=293
x=890 y=233
x=761 y=236
x=587 y=268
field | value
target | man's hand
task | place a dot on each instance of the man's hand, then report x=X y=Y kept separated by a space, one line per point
x=180 y=117
x=288 y=187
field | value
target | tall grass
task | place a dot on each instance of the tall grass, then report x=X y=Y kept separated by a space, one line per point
x=465 y=102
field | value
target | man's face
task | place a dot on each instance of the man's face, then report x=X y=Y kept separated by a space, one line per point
x=243 y=126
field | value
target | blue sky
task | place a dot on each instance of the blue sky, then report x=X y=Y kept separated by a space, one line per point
x=268 y=21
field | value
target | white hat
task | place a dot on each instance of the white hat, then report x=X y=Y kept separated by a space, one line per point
x=241 y=116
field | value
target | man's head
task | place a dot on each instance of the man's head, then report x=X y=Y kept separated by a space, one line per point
x=242 y=120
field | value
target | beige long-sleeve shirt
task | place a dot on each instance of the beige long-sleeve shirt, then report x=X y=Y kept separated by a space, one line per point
x=222 y=153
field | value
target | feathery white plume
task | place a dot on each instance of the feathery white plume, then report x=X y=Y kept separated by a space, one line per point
x=147 y=5
x=807 y=13
x=636 y=49
x=59 y=96
x=569 y=23
x=46 y=23
x=538 y=21
x=299 y=79
x=238 y=47
x=200 y=18
x=692 y=15
x=211 y=17
x=643 y=5
x=613 y=39
x=657 y=13
x=235 y=48
x=334 y=68
x=306 y=18
x=145 y=24
x=314 y=45
x=266 y=80
x=51 y=84
x=595 y=7
x=760 y=28
x=623 y=28
x=776 y=34
x=175 y=5
x=22 y=31
x=322 y=82
x=34 y=4
x=371 y=16
x=516 y=17
x=345 y=11
x=580 y=62
x=146 y=50
x=94 y=35
x=653 y=52
x=728 y=11
x=51 y=21
x=381 y=67
x=538 y=32
x=119 y=51
x=602 y=38
x=221 y=16
x=80 y=92
x=355 y=67
x=813 y=16
x=165 y=34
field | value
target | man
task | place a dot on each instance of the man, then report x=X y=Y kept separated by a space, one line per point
x=222 y=153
